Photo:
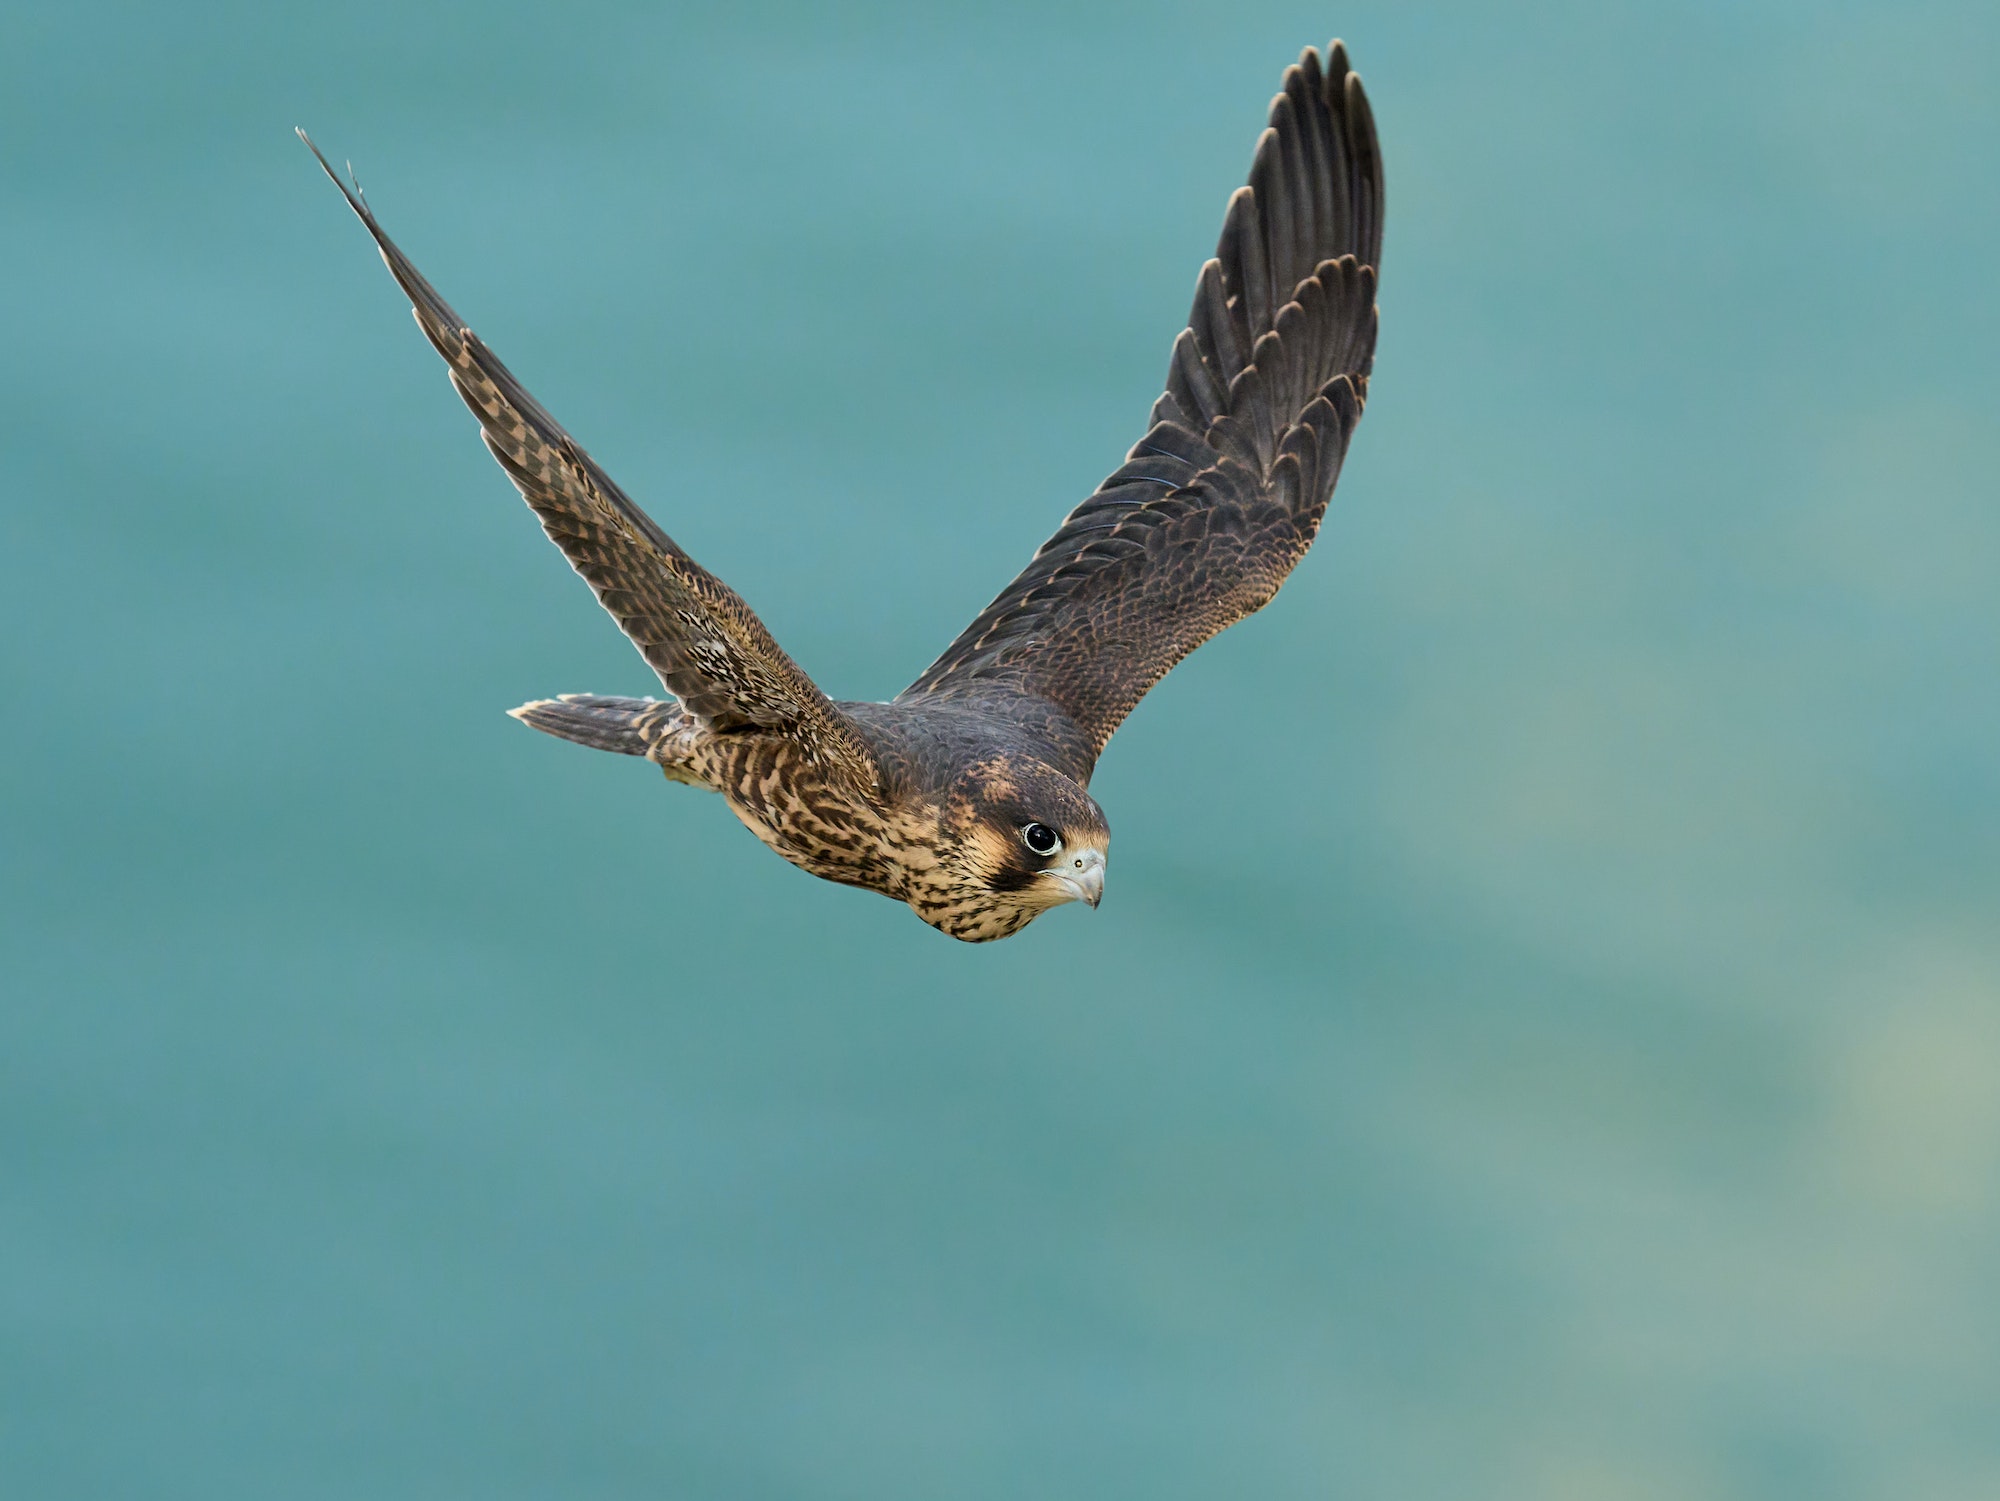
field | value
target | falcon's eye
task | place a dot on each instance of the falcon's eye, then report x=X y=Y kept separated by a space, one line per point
x=1040 y=838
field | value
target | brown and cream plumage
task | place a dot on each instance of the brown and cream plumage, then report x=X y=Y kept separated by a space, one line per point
x=966 y=796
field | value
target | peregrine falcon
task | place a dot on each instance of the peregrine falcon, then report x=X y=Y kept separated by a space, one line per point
x=966 y=796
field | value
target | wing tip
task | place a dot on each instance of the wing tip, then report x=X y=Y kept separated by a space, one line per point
x=356 y=199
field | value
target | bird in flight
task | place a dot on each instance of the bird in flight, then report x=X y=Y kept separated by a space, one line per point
x=967 y=795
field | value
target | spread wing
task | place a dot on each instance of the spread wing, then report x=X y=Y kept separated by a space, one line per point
x=709 y=649
x=1223 y=496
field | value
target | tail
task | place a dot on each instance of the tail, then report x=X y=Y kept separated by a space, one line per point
x=657 y=729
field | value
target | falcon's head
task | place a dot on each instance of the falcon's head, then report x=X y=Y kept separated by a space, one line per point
x=1017 y=838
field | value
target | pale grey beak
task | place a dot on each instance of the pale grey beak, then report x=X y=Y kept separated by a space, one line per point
x=1080 y=873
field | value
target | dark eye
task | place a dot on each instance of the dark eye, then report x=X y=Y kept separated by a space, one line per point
x=1040 y=838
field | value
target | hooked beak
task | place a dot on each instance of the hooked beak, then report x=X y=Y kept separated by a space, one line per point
x=1081 y=876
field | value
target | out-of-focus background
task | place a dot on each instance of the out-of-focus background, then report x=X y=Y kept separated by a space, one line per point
x=1543 y=1036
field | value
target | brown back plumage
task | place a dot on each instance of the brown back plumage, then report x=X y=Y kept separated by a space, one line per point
x=1224 y=494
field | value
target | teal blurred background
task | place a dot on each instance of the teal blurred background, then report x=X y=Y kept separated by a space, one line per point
x=1543 y=1037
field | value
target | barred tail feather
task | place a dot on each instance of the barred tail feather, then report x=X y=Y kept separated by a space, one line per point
x=654 y=728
